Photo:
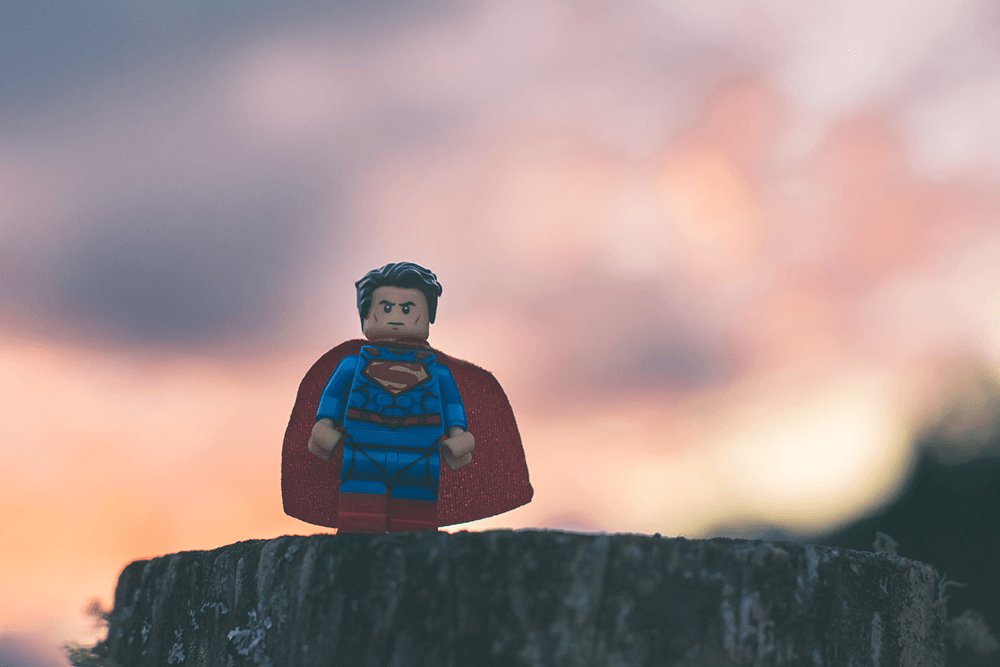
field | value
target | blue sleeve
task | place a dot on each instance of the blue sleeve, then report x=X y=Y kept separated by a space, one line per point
x=333 y=401
x=451 y=400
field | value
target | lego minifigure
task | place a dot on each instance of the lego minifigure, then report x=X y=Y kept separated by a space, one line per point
x=372 y=420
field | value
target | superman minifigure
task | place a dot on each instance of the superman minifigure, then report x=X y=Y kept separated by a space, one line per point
x=372 y=421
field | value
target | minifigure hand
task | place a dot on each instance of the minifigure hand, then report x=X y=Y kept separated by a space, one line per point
x=457 y=450
x=324 y=438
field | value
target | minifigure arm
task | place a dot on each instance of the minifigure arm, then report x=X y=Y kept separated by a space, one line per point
x=457 y=448
x=332 y=404
x=333 y=400
x=451 y=401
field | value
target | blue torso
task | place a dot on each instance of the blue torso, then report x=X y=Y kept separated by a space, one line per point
x=394 y=405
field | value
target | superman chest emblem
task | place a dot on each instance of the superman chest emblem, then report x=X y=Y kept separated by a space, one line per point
x=395 y=377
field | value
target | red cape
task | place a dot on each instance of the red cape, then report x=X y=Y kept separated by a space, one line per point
x=496 y=481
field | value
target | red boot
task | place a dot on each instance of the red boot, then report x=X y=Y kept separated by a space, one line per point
x=407 y=514
x=361 y=513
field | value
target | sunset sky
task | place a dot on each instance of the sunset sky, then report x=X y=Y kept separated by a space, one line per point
x=726 y=257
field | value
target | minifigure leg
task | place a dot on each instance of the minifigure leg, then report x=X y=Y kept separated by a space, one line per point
x=361 y=513
x=408 y=514
x=416 y=474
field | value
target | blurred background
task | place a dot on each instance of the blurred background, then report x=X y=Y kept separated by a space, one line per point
x=735 y=264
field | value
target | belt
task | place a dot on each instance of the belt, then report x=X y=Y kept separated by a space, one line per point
x=369 y=417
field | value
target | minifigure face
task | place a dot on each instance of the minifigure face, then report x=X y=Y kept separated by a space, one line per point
x=397 y=312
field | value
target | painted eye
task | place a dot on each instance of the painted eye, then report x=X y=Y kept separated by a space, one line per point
x=387 y=307
x=406 y=310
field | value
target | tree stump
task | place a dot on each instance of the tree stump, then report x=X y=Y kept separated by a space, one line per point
x=525 y=598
